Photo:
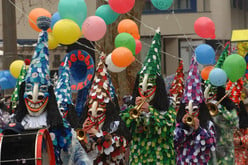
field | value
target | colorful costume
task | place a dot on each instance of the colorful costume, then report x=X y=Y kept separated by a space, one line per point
x=37 y=107
x=105 y=135
x=152 y=131
x=241 y=146
x=225 y=119
x=193 y=145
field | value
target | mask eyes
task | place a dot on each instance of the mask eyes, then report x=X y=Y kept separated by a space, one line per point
x=29 y=87
x=140 y=85
x=195 y=108
x=43 y=88
x=90 y=113
x=149 y=86
x=99 y=112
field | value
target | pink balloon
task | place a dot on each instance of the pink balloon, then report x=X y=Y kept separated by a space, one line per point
x=94 y=28
x=121 y=6
x=138 y=46
x=205 y=27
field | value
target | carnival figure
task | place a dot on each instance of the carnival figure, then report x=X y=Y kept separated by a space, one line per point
x=37 y=106
x=241 y=135
x=150 y=118
x=224 y=114
x=103 y=134
x=194 y=136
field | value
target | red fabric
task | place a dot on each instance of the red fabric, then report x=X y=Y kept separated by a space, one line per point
x=177 y=84
x=241 y=151
x=235 y=95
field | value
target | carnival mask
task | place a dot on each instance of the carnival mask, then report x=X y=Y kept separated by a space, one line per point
x=147 y=85
x=210 y=93
x=36 y=98
x=192 y=108
x=96 y=115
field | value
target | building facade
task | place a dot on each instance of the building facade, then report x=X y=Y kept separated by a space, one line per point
x=176 y=24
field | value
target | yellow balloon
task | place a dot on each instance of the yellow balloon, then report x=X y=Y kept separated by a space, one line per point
x=52 y=42
x=15 y=68
x=66 y=31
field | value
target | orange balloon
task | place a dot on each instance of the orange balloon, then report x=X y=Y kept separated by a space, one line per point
x=130 y=27
x=205 y=72
x=122 y=57
x=36 y=13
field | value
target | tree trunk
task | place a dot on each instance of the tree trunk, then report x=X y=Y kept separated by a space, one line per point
x=123 y=81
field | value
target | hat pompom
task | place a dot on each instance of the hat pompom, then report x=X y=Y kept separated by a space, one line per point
x=43 y=22
x=27 y=61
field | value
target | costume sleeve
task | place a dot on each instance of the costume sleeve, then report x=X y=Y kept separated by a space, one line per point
x=110 y=143
x=231 y=118
x=160 y=120
x=203 y=138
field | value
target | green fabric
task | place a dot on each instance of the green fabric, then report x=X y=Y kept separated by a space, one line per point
x=21 y=78
x=155 y=145
x=222 y=57
x=225 y=123
x=152 y=63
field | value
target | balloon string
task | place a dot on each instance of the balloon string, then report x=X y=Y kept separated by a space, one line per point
x=20 y=10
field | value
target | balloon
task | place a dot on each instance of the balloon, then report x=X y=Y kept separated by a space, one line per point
x=111 y=66
x=55 y=18
x=205 y=28
x=52 y=42
x=218 y=77
x=130 y=27
x=94 y=28
x=125 y=40
x=162 y=4
x=7 y=81
x=205 y=72
x=66 y=31
x=75 y=10
x=36 y=13
x=121 y=6
x=122 y=57
x=234 y=66
x=15 y=68
x=138 y=46
x=205 y=54
x=107 y=14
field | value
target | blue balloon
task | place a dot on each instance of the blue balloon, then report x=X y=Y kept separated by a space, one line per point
x=56 y=17
x=7 y=81
x=107 y=14
x=217 y=77
x=205 y=54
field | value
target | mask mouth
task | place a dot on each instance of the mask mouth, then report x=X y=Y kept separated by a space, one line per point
x=148 y=93
x=36 y=107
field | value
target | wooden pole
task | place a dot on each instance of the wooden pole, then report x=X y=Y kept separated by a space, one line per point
x=9 y=34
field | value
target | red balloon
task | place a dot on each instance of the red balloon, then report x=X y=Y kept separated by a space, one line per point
x=205 y=27
x=138 y=46
x=121 y=6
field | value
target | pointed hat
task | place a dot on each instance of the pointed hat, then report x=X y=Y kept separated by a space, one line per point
x=152 y=63
x=177 y=85
x=38 y=71
x=193 y=84
x=63 y=87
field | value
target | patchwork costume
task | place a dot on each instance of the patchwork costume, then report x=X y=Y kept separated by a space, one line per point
x=193 y=145
x=225 y=119
x=177 y=86
x=105 y=135
x=37 y=106
x=152 y=131
x=241 y=134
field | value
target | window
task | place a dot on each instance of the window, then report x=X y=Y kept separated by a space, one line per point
x=177 y=6
x=56 y=61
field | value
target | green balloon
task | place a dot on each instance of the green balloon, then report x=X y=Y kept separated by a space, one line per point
x=107 y=14
x=234 y=66
x=75 y=10
x=125 y=40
